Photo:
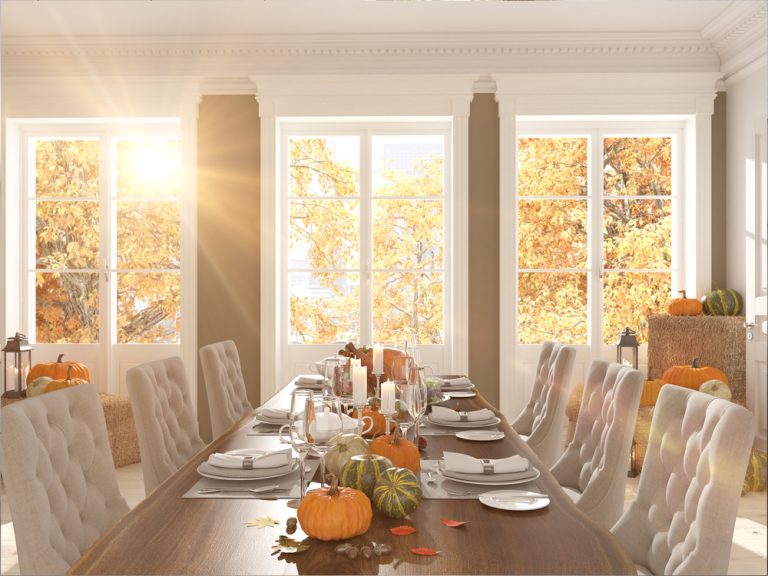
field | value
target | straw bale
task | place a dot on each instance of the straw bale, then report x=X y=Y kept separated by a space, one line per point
x=716 y=341
x=121 y=429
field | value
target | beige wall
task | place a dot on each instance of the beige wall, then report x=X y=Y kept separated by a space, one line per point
x=719 y=205
x=484 y=245
x=228 y=236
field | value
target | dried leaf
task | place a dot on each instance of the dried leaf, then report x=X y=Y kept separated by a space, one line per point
x=263 y=522
x=425 y=551
x=452 y=523
x=288 y=545
x=402 y=530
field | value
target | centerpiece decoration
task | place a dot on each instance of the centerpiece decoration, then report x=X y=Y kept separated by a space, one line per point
x=397 y=492
x=366 y=356
x=343 y=447
x=400 y=451
x=361 y=472
x=335 y=513
x=379 y=421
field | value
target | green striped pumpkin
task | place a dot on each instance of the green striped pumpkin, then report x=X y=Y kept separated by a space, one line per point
x=361 y=472
x=397 y=492
x=726 y=302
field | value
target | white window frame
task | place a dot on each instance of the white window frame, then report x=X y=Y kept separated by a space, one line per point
x=385 y=98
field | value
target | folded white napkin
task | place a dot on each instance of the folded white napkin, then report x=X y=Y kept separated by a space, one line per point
x=310 y=379
x=250 y=459
x=465 y=464
x=460 y=382
x=273 y=414
x=449 y=415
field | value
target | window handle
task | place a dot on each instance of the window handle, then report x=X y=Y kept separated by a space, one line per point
x=106 y=270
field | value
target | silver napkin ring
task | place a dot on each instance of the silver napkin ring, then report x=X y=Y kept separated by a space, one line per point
x=463 y=417
x=248 y=463
x=487 y=466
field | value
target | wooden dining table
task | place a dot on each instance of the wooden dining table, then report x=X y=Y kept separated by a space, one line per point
x=169 y=534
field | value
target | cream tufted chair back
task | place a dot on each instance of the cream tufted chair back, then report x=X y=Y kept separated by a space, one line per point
x=542 y=422
x=224 y=385
x=165 y=421
x=593 y=468
x=682 y=519
x=59 y=477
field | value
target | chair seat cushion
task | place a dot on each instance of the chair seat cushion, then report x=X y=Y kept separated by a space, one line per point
x=573 y=494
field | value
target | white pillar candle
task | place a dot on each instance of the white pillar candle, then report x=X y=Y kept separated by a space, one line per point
x=354 y=361
x=359 y=385
x=378 y=359
x=388 y=397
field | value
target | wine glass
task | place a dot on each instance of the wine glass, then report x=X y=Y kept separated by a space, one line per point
x=322 y=420
x=403 y=368
x=300 y=398
x=329 y=371
x=418 y=399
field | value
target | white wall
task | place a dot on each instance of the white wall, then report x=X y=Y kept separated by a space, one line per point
x=745 y=105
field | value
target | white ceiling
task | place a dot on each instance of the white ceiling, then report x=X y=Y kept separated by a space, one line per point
x=248 y=17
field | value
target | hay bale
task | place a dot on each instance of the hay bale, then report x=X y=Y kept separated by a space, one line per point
x=716 y=341
x=121 y=429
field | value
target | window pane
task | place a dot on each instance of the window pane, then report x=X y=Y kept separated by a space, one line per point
x=324 y=234
x=148 y=234
x=148 y=168
x=552 y=306
x=408 y=165
x=67 y=168
x=552 y=233
x=148 y=308
x=67 y=234
x=552 y=166
x=630 y=298
x=67 y=309
x=324 y=307
x=637 y=234
x=408 y=306
x=328 y=166
x=408 y=234
x=637 y=166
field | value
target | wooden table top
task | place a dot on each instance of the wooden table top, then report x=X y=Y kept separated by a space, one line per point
x=166 y=534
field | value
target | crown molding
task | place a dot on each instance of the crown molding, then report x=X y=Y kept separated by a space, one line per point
x=740 y=36
x=241 y=56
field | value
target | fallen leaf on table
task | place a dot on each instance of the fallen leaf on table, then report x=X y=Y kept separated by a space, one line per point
x=402 y=530
x=425 y=551
x=288 y=545
x=452 y=523
x=263 y=522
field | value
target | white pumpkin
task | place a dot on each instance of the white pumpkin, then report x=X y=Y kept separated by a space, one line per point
x=716 y=388
x=343 y=447
x=38 y=386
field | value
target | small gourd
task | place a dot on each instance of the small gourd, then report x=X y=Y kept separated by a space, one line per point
x=378 y=419
x=343 y=447
x=334 y=513
x=684 y=306
x=54 y=385
x=726 y=302
x=38 y=386
x=692 y=376
x=400 y=451
x=397 y=492
x=361 y=472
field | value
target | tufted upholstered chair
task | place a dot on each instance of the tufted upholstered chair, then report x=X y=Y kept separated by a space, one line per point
x=224 y=385
x=59 y=477
x=593 y=468
x=165 y=420
x=682 y=520
x=542 y=422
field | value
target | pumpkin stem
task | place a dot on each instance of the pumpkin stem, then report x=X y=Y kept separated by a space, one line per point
x=396 y=435
x=69 y=373
x=695 y=363
x=375 y=404
x=682 y=293
x=333 y=480
x=58 y=360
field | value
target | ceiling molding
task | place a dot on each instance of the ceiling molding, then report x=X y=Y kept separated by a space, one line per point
x=739 y=36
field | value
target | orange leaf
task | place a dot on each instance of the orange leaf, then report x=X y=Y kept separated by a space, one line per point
x=452 y=523
x=402 y=530
x=425 y=551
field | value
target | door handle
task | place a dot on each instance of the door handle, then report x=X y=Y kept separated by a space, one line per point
x=748 y=326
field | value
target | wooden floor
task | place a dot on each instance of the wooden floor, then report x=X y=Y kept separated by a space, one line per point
x=748 y=555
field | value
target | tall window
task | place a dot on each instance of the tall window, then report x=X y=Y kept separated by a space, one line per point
x=366 y=235
x=104 y=214
x=595 y=234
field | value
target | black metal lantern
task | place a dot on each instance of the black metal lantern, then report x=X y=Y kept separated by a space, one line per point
x=17 y=361
x=627 y=342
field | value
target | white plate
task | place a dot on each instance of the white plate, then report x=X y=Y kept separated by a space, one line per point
x=293 y=469
x=474 y=424
x=518 y=500
x=480 y=435
x=492 y=482
x=261 y=419
x=460 y=393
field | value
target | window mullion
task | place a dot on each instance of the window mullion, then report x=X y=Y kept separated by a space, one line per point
x=366 y=239
x=595 y=243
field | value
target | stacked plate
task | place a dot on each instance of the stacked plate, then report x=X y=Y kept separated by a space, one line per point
x=248 y=464
x=271 y=416
x=310 y=381
x=442 y=416
x=502 y=472
x=454 y=382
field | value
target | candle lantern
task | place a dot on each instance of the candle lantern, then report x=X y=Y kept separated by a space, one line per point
x=17 y=361
x=627 y=345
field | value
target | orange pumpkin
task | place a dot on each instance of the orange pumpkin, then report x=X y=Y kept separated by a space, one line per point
x=334 y=513
x=401 y=452
x=54 y=385
x=651 y=389
x=684 y=306
x=379 y=420
x=692 y=376
x=59 y=370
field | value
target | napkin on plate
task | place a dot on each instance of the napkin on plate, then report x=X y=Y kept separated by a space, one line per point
x=450 y=415
x=274 y=414
x=465 y=464
x=459 y=382
x=251 y=459
x=309 y=380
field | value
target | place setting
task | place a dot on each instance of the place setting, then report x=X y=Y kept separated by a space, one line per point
x=441 y=418
x=250 y=472
x=267 y=422
x=456 y=386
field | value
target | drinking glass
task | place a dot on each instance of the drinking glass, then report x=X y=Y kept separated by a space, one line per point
x=329 y=371
x=404 y=373
x=418 y=399
x=322 y=420
x=300 y=399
